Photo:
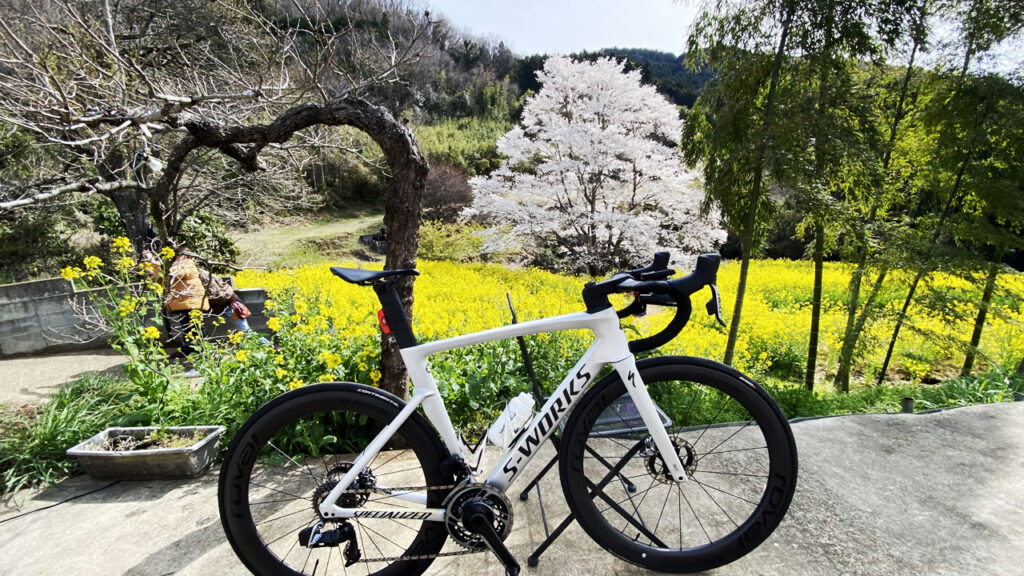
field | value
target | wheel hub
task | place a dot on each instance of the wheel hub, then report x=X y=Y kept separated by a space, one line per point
x=351 y=498
x=656 y=465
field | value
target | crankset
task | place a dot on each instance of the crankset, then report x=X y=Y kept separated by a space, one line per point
x=479 y=516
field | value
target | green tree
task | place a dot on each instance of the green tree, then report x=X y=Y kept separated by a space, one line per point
x=993 y=214
x=959 y=127
x=902 y=33
x=732 y=129
x=832 y=43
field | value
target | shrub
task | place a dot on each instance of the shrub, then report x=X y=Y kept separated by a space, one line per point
x=451 y=242
x=446 y=193
x=469 y=144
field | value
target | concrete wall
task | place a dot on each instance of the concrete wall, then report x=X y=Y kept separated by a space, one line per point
x=37 y=317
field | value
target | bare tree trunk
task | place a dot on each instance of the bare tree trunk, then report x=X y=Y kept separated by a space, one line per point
x=812 y=345
x=741 y=288
x=133 y=208
x=402 y=222
x=749 y=233
x=979 y=322
x=401 y=207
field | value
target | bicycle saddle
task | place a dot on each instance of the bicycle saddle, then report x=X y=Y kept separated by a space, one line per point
x=367 y=277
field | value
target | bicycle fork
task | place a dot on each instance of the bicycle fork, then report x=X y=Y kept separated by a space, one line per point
x=637 y=390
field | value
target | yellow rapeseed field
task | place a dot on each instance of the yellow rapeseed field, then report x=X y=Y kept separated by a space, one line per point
x=453 y=299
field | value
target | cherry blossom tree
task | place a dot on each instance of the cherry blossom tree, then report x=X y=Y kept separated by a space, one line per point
x=593 y=174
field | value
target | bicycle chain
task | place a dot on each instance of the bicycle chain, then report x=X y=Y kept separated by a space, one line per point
x=420 y=556
x=400 y=489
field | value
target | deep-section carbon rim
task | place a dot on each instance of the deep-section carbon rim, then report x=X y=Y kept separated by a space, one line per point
x=733 y=439
x=288 y=453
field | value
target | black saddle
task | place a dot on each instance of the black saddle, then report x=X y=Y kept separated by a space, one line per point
x=368 y=277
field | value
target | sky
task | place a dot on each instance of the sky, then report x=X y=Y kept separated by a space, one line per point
x=566 y=26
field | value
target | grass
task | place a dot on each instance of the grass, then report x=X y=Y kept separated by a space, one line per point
x=33 y=439
x=309 y=241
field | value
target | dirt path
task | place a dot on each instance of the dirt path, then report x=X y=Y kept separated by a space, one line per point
x=305 y=242
x=34 y=378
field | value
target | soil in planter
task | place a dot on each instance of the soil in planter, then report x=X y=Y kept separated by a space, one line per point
x=155 y=439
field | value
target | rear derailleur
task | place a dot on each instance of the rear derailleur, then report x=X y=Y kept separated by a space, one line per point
x=316 y=537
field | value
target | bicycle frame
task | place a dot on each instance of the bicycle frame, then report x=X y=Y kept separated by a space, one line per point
x=610 y=347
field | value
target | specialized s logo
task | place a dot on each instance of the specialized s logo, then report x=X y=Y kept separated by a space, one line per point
x=550 y=418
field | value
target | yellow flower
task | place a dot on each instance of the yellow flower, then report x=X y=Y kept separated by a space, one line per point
x=125 y=264
x=235 y=337
x=295 y=318
x=121 y=244
x=280 y=373
x=167 y=253
x=375 y=375
x=325 y=378
x=279 y=359
x=150 y=332
x=127 y=306
x=195 y=315
x=270 y=305
x=91 y=262
x=331 y=359
x=158 y=288
x=70 y=273
x=295 y=383
x=242 y=356
x=300 y=306
x=274 y=324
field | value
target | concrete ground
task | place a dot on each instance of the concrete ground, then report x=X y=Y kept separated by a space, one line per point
x=938 y=493
x=35 y=378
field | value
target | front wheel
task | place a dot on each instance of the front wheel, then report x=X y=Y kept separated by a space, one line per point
x=733 y=440
x=292 y=451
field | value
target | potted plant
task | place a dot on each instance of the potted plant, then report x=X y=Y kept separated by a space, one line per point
x=126 y=306
x=151 y=452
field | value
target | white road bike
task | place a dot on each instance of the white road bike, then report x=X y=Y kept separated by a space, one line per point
x=673 y=463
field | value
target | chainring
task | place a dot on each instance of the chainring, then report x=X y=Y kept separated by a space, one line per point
x=488 y=495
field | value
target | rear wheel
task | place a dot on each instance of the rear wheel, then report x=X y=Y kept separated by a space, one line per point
x=730 y=435
x=291 y=452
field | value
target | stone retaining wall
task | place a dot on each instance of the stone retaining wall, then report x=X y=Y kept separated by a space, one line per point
x=37 y=317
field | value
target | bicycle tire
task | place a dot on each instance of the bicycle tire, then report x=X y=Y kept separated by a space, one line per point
x=740 y=456
x=266 y=490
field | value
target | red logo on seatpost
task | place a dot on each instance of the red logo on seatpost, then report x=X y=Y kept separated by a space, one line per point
x=383 y=322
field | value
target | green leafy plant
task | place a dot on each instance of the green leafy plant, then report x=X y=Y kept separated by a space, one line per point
x=33 y=439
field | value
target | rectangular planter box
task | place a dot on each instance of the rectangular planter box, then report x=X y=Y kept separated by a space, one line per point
x=155 y=463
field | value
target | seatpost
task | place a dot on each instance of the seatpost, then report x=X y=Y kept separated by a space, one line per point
x=394 y=314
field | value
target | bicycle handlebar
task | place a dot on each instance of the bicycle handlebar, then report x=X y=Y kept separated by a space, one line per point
x=651 y=286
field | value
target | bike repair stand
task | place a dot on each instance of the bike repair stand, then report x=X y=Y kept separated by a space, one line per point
x=550 y=536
